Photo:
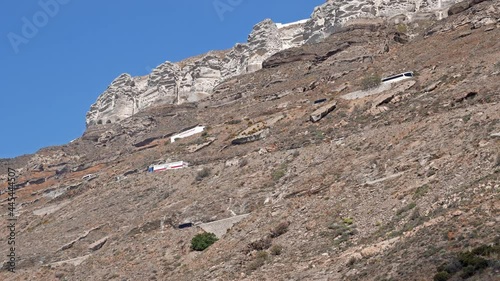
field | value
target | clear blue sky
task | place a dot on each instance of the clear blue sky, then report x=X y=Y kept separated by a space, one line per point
x=58 y=57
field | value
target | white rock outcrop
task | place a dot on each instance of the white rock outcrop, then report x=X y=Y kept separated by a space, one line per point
x=192 y=79
x=195 y=78
x=329 y=17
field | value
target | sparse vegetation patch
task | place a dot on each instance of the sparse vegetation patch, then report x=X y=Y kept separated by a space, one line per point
x=260 y=259
x=402 y=28
x=202 y=241
x=371 y=81
x=280 y=172
x=469 y=263
x=406 y=209
x=261 y=244
x=280 y=229
x=342 y=230
x=420 y=191
x=205 y=172
x=276 y=250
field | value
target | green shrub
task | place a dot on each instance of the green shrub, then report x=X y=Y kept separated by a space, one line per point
x=420 y=191
x=205 y=172
x=442 y=276
x=402 y=28
x=468 y=263
x=318 y=135
x=261 y=244
x=276 y=250
x=279 y=172
x=484 y=250
x=406 y=208
x=280 y=229
x=468 y=271
x=341 y=231
x=260 y=260
x=351 y=261
x=468 y=259
x=338 y=229
x=202 y=241
x=453 y=267
x=234 y=122
x=370 y=82
x=347 y=221
x=243 y=162
x=262 y=255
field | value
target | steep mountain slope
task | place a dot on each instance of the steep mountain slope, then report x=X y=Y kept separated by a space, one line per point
x=388 y=186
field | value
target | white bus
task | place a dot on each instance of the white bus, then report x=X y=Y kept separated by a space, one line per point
x=196 y=130
x=168 y=166
x=398 y=77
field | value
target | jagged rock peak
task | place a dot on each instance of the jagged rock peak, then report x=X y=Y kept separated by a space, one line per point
x=123 y=80
x=194 y=78
x=327 y=18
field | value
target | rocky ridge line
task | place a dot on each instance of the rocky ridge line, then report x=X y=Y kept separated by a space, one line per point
x=195 y=78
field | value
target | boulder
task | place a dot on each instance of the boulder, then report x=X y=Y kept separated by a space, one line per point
x=462 y=6
x=323 y=111
x=98 y=244
x=459 y=7
x=245 y=138
x=196 y=147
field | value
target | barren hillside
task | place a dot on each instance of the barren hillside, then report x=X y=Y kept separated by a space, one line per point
x=400 y=182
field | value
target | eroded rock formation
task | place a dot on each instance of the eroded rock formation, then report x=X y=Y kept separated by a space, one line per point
x=195 y=78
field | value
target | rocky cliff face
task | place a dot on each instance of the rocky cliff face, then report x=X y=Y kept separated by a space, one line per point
x=194 y=79
x=332 y=15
